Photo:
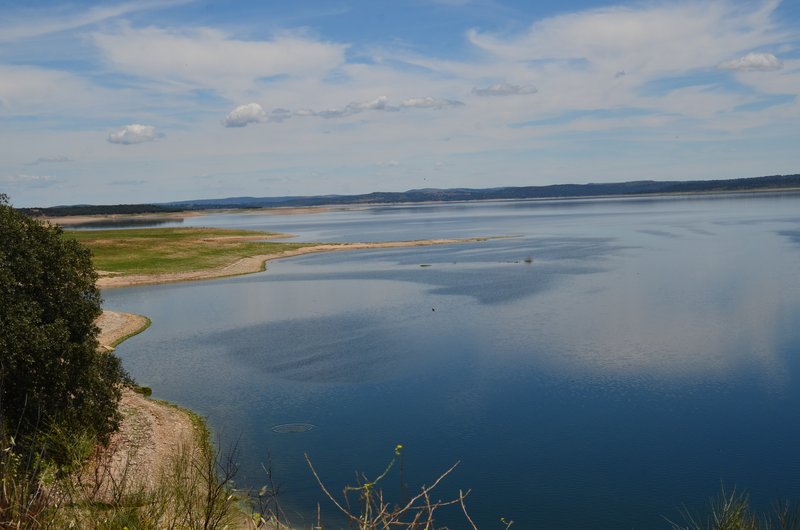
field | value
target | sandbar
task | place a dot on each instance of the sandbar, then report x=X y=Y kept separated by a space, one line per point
x=258 y=263
x=116 y=327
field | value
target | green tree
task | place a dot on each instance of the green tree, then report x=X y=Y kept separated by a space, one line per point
x=52 y=379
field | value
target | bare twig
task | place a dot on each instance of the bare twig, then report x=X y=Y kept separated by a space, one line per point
x=461 y=497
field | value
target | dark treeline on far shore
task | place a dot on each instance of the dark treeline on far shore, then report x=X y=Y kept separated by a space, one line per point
x=555 y=191
x=89 y=209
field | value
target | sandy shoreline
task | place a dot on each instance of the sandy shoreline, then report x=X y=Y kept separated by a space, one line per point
x=258 y=263
x=151 y=432
x=116 y=327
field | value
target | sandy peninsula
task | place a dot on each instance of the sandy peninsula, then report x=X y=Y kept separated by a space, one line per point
x=258 y=263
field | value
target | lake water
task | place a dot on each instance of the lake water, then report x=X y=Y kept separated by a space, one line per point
x=647 y=356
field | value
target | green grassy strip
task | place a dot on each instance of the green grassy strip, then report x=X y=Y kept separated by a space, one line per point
x=163 y=233
x=168 y=250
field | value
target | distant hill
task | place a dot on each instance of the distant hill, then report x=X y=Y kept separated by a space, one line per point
x=555 y=191
x=641 y=187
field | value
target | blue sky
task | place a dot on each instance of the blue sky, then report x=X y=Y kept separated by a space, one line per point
x=158 y=100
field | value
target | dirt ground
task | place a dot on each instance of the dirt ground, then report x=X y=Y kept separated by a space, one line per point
x=151 y=431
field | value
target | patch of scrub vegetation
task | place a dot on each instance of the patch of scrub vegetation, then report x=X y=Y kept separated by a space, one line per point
x=168 y=250
x=732 y=511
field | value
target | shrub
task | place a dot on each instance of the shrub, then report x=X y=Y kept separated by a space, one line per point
x=52 y=380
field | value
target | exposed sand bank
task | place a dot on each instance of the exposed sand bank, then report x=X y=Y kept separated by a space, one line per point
x=116 y=327
x=151 y=432
x=257 y=263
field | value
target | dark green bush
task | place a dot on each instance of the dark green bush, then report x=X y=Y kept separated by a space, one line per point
x=52 y=380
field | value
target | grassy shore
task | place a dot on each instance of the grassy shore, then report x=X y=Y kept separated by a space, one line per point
x=169 y=250
x=147 y=256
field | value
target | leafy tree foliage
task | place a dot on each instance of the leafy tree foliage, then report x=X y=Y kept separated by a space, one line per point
x=52 y=379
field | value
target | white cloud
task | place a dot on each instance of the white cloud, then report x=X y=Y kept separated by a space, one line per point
x=29 y=181
x=606 y=59
x=244 y=115
x=505 y=89
x=212 y=59
x=133 y=134
x=647 y=38
x=764 y=62
x=381 y=103
x=429 y=102
x=173 y=77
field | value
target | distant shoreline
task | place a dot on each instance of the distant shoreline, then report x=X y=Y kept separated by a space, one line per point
x=311 y=204
x=258 y=263
x=77 y=221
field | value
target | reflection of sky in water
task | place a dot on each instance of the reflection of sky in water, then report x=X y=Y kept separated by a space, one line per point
x=647 y=353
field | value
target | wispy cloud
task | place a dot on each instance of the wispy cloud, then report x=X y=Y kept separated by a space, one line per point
x=764 y=62
x=380 y=103
x=131 y=182
x=134 y=134
x=279 y=115
x=56 y=159
x=647 y=38
x=29 y=181
x=429 y=102
x=29 y=23
x=35 y=91
x=244 y=115
x=505 y=89
x=212 y=59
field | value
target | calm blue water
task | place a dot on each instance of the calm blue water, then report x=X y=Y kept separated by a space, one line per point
x=647 y=356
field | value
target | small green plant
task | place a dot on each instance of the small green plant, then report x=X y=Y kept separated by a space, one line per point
x=145 y=391
x=23 y=500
